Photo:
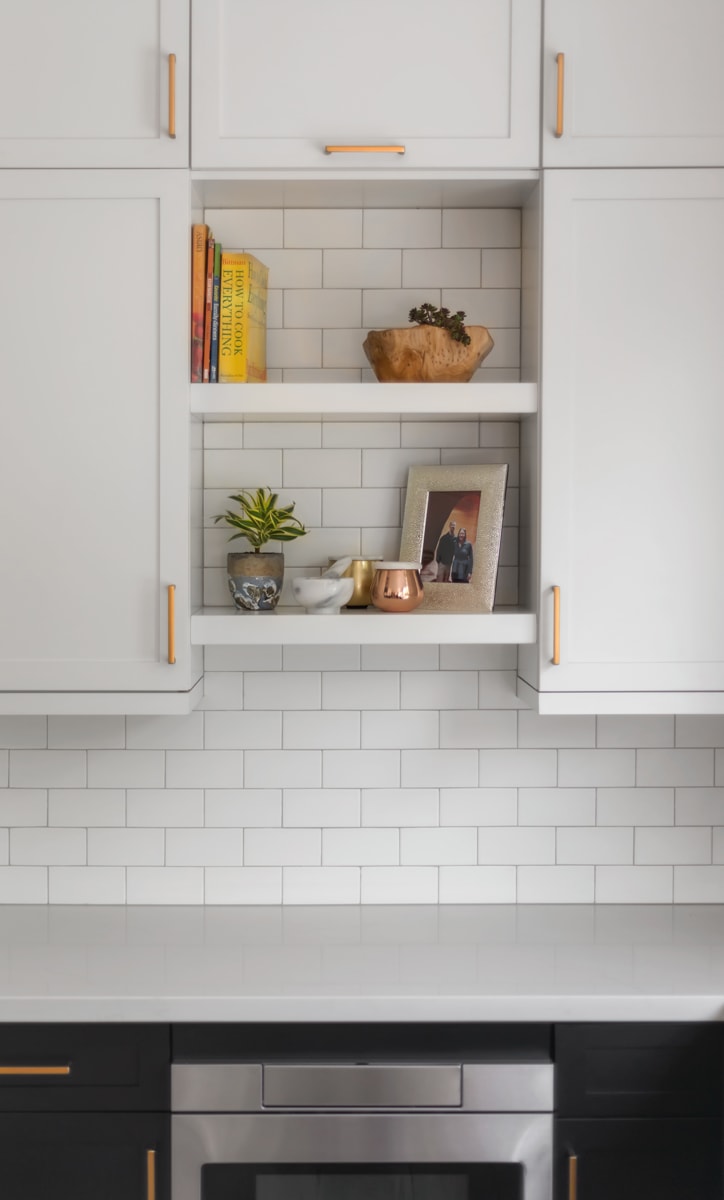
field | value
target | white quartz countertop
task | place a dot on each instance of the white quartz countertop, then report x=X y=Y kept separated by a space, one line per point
x=492 y=963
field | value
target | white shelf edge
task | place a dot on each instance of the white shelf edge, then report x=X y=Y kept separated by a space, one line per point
x=367 y=399
x=620 y=703
x=100 y=703
x=227 y=627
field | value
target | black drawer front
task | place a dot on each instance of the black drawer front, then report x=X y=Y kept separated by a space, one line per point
x=639 y=1070
x=85 y=1068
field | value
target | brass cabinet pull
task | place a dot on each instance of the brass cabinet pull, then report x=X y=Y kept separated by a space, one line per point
x=364 y=149
x=572 y=1177
x=172 y=95
x=172 y=623
x=34 y=1070
x=150 y=1175
x=561 y=70
x=556 y=626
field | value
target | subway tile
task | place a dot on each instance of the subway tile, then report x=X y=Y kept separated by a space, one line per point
x=499 y=435
x=222 y=435
x=321 y=885
x=323 y=308
x=718 y=845
x=516 y=845
x=439 y=768
x=323 y=227
x=222 y=690
x=433 y=847
x=439 y=689
x=555 y=885
x=361 y=689
x=399 y=885
x=324 y=730
x=292 y=268
x=278 y=435
x=477 y=885
x=361 y=506
x=649 y=731
x=47 y=847
x=165 y=733
x=204 y=847
x=478 y=658
x=243 y=807
x=596 y=768
x=234 y=469
x=460 y=728
x=496 y=689
x=243 y=730
x=241 y=228
x=313 y=552
x=362 y=268
x=320 y=807
x=557 y=806
x=698 y=885
x=360 y=847
x=342 y=349
x=699 y=806
x=293 y=348
x=46 y=768
x=327 y=468
x=361 y=768
x=634 y=885
x=611 y=845
x=635 y=806
x=360 y=434
x=86 y=806
x=274 y=316
x=719 y=767
x=535 y=730
x=23 y=733
x=400 y=730
x=87 y=885
x=501 y=268
x=282 y=847
x=402 y=227
x=433 y=434
x=276 y=691
x=496 y=308
x=675 y=845
x=86 y=733
x=23 y=885
x=478 y=806
x=321 y=658
x=243 y=885
x=164 y=885
x=506 y=349
x=284 y=768
x=5 y=846
x=163 y=807
x=204 y=768
x=440 y=269
x=517 y=768
x=385 y=308
x=488 y=227
x=400 y=658
x=126 y=847
x=320 y=375
x=23 y=806
x=398 y=807
x=381 y=544
x=696 y=731
x=674 y=767
x=389 y=468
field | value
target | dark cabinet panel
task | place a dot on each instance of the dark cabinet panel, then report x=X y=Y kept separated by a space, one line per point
x=84 y=1156
x=85 y=1068
x=639 y=1070
x=639 y=1160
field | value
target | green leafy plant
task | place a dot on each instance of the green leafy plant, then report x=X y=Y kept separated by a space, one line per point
x=428 y=314
x=260 y=521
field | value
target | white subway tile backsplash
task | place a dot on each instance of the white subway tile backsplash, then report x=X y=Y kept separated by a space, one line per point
x=516 y=845
x=321 y=730
x=162 y=807
x=361 y=768
x=47 y=847
x=425 y=269
x=362 y=268
x=459 y=728
x=675 y=844
x=634 y=885
x=223 y=689
x=46 y=768
x=284 y=768
x=638 y=731
x=282 y=847
x=242 y=807
x=275 y=435
x=674 y=767
x=719 y=767
x=557 y=806
x=537 y=731
x=165 y=733
x=439 y=768
x=384 y=308
x=358 y=434
x=203 y=768
x=127 y=847
x=433 y=847
x=84 y=733
x=23 y=733
x=328 y=468
x=400 y=730
x=87 y=885
x=478 y=658
x=400 y=807
x=389 y=468
x=478 y=806
x=501 y=268
x=439 y=689
x=496 y=308
x=243 y=731
x=362 y=506
x=234 y=469
x=596 y=768
x=204 y=847
x=243 y=228
x=635 y=806
x=323 y=308
x=23 y=806
x=400 y=885
x=243 y=885
x=281 y=691
x=367 y=689
x=342 y=349
x=699 y=731
x=517 y=768
x=555 y=885
x=23 y=885
x=439 y=433
x=325 y=227
x=321 y=658
x=698 y=885
x=85 y=806
x=611 y=845
x=320 y=807
x=321 y=885
x=699 y=806
x=293 y=268
x=164 y=885
x=360 y=847
x=488 y=227
x=477 y=885
x=400 y=658
x=402 y=227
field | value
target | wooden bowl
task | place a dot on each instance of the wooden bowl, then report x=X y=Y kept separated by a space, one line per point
x=425 y=354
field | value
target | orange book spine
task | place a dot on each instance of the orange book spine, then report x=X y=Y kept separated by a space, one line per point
x=199 y=234
x=207 y=307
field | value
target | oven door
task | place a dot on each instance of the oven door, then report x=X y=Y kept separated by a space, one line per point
x=362 y=1156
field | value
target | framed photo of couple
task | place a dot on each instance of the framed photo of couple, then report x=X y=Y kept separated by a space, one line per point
x=452 y=525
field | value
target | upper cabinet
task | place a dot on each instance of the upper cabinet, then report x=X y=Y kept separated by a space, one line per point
x=365 y=84
x=94 y=85
x=633 y=85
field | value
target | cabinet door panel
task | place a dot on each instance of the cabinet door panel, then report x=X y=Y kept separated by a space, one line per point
x=643 y=83
x=632 y=428
x=92 y=88
x=94 y=457
x=275 y=82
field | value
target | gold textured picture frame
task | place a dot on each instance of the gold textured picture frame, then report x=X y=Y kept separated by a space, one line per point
x=452 y=526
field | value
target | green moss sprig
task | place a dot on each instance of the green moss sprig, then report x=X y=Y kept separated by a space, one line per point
x=428 y=314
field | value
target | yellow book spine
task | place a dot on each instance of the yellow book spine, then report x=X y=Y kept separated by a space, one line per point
x=242 y=319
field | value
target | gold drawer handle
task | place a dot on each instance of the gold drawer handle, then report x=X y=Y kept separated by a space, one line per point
x=172 y=623
x=364 y=149
x=150 y=1175
x=560 y=71
x=172 y=95
x=34 y=1070
x=573 y=1177
x=556 y=626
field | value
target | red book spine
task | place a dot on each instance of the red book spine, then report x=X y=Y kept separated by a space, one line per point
x=207 y=306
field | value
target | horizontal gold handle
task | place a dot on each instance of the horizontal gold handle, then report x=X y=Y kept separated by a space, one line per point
x=34 y=1070
x=364 y=149
x=560 y=70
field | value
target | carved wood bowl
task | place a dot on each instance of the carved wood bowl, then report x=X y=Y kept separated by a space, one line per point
x=425 y=354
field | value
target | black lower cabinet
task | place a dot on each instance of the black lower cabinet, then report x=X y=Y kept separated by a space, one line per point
x=635 y=1159
x=85 y=1156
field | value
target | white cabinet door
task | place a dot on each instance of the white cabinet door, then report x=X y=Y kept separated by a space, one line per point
x=632 y=417
x=89 y=84
x=643 y=83
x=277 y=81
x=94 y=449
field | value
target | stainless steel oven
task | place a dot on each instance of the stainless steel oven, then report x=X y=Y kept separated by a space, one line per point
x=427 y=1130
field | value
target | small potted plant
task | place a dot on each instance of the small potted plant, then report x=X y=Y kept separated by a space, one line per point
x=255 y=578
x=438 y=349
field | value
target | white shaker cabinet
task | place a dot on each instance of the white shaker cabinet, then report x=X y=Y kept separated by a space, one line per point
x=95 y=446
x=88 y=84
x=633 y=83
x=276 y=83
x=632 y=421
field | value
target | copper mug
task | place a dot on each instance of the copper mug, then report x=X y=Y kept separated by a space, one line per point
x=397 y=586
x=362 y=571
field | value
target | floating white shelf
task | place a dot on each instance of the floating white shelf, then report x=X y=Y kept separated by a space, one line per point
x=225 y=401
x=292 y=626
